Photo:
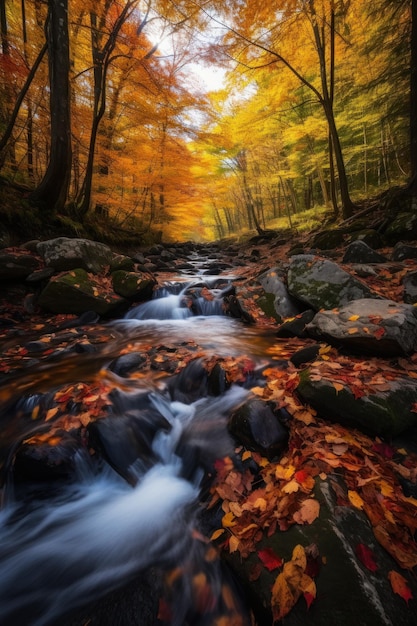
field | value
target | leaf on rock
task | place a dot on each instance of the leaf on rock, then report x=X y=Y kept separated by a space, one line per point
x=290 y=584
x=366 y=557
x=400 y=585
x=308 y=511
x=270 y=559
x=355 y=499
x=228 y=520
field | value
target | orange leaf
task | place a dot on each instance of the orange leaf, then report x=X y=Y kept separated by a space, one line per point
x=400 y=585
x=308 y=511
x=51 y=413
x=338 y=387
x=353 y=318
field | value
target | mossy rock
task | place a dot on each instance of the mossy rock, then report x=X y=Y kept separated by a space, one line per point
x=132 y=285
x=369 y=236
x=328 y=240
x=384 y=414
x=77 y=292
x=404 y=226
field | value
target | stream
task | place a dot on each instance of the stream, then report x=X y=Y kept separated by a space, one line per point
x=65 y=543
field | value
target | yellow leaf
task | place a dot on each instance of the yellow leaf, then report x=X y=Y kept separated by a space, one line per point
x=260 y=503
x=352 y=331
x=284 y=473
x=217 y=534
x=51 y=413
x=246 y=455
x=291 y=487
x=386 y=488
x=290 y=584
x=233 y=544
x=228 y=520
x=353 y=318
x=355 y=499
x=35 y=412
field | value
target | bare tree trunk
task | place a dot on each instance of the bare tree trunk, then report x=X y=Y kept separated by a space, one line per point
x=53 y=190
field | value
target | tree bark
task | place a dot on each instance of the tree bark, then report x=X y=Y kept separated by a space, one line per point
x=52 y=191
x=413 y=97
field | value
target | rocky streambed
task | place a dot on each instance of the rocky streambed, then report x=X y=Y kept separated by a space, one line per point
x=273 y=388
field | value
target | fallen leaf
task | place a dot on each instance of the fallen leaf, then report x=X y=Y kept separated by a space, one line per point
x=270 y=559
x=308 y=511
x=355 y=499
x=400 y=585
x=51 y=413
x=338 y=387
x=217 y=534
x=228 y=520
x=290 y=584
x=366 y=557
x=353 y=318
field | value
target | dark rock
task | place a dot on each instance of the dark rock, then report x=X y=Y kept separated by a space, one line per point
x=305 y=355
x=76 y=292
x=360 y=252
x=383 y=414
x=191 y=383
x=369 y=236
x=127 y=363
x=39 y=276
x=14 y=266
x=132 y=285
x=45 y=460
x=404 y=226
x=403 y=251
x=257 y=427
x=410 y=287
x=327 y=240
x=296 y=327
x=122 y=262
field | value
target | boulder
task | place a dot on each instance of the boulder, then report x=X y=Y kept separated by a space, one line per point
x=122 y=262
x=322 y=284
x=255 y=425
x=328 y=239
x=369 y=236
x=14 y=265
x=378 y=413
x=404 y=226
x=283 y=304
x=360 y=252
x=410 y=287
x=380 y=327
x=64 y=253
x=403 y=251
x=77 y=292
x=296 y=327
x=132 y=285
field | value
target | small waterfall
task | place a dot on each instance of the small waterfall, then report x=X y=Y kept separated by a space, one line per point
x=191 y=300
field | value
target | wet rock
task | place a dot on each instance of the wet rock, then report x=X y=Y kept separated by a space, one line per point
x=64 y=253
x=39 y=276
x=380 y=327
x=305 y=355
x=132 y=285
x=127 y=363
x=297 y=326
x=46 y=458
x=360 y=252
x=322 y=284
x=382 y=413
x=347 y=592
x=257 y=427
x=191 y=383
x=76 y=292
x=234 y=308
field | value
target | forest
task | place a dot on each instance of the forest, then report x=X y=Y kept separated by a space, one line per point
x=109 y=113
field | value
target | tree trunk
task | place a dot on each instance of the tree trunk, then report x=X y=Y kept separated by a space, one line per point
x=53 y=189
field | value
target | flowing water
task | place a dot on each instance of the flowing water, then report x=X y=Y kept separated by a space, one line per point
x=64 y=545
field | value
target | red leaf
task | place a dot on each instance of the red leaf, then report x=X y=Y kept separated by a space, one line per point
x=384 y=449
x=400 y=585
x=366 y=557
x=380 y=332
x=301 y=476
x=309 y=598
x=270 y=559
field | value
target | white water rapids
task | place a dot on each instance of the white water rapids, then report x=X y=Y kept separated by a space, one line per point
x=59 y=550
